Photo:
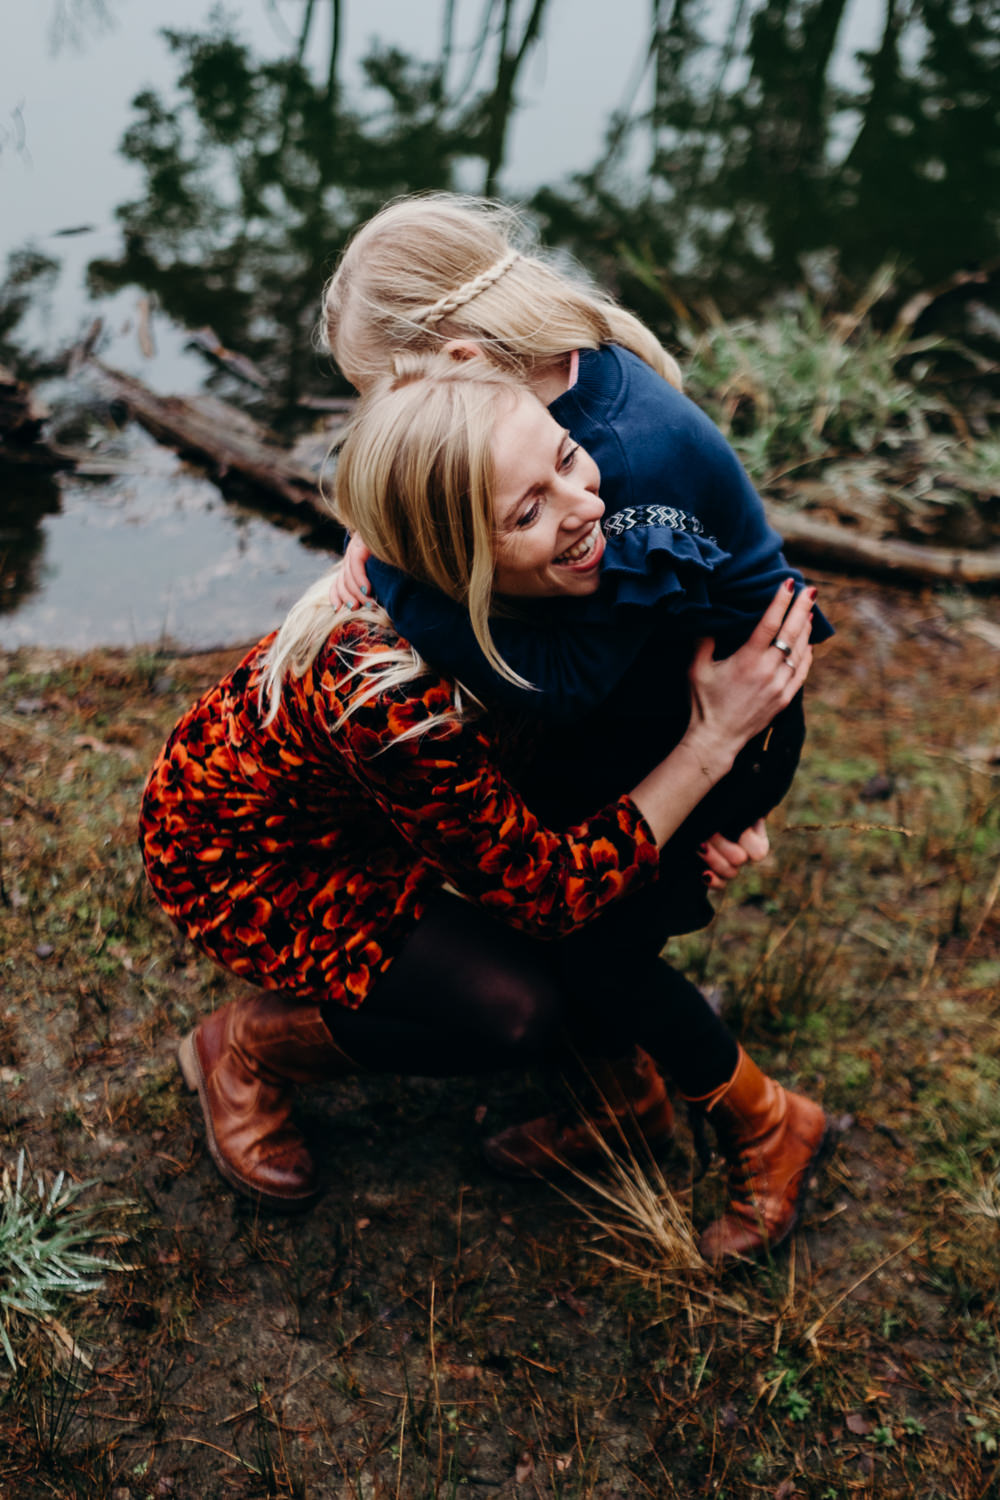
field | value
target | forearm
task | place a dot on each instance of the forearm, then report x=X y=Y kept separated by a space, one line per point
x=674 y=788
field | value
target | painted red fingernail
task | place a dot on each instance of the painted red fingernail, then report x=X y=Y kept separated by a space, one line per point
x=790 y=585
x=707 y=877
x=811 y=593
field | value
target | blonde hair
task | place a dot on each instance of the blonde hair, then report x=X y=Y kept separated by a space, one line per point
x=442 y=266
x=304 y=633
x=415 y=480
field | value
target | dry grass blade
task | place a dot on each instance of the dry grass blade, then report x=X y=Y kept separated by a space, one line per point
x=649 y=1230
x=852 y=825
x=991 y=899
x=810 y=1333
x=984 y=1202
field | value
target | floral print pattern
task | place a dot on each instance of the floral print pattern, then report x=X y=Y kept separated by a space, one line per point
x=300 y=854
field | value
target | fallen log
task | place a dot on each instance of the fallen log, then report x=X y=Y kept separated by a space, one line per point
x=833 y=547
x=228 y=442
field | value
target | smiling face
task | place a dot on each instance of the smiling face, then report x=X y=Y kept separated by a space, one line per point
x=548 y=509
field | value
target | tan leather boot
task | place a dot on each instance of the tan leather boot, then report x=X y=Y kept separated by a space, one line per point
x=630 y=1104
x=242 y=1060
x=772 y=1140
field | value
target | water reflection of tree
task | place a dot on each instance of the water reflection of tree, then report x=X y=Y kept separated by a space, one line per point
x=259 y=171
x=28 y=495
x=33 y=496
x=74 y=21
x=759 y=167
x=29 y=273
x=760 y=161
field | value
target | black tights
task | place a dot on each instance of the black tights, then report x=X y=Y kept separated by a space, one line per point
x=467 y=994
x=463 y=995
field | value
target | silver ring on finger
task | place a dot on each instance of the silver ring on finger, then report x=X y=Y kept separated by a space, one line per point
x=780 y=644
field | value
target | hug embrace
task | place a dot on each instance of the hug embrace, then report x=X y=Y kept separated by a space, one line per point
x=447 y=817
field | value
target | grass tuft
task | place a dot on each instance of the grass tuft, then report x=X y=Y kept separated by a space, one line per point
x=800 y=386
x=829 y=413
x=44 y=1232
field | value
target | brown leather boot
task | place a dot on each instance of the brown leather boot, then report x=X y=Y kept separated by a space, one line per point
x=631 y=1103
x=242 y=1060
x=772 y=1140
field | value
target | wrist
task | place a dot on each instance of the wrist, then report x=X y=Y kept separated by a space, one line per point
x=714 y=758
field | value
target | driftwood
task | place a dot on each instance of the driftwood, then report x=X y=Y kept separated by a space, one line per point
x=829 y=546
x=228 y=442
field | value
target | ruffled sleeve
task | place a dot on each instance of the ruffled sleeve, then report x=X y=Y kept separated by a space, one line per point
x=658 y=555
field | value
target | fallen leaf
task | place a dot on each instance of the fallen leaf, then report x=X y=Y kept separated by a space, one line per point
x=858 y=1424
x=525 y=1468
x=572 y=1302
x=90 y=742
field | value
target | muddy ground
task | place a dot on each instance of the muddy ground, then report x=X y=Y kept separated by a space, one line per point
x=431 y=1331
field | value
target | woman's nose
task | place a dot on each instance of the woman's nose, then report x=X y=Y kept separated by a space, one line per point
x=583 y=506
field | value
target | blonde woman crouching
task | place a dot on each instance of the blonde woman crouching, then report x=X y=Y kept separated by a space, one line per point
x=336 y=823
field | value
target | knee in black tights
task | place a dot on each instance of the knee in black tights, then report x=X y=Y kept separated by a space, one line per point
x=515 y=1013
x=466 y=994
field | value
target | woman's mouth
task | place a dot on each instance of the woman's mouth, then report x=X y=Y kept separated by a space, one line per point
x=584 y=553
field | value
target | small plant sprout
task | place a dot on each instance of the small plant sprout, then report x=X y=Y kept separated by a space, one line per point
x=44 y=1235
x=984 y=1433
x=882 y=1437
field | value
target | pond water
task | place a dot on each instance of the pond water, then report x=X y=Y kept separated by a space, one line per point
x=170 y=167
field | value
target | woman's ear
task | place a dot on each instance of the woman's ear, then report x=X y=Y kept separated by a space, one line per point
x=461 y=350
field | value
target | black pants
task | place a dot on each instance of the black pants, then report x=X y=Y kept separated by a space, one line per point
x=467 y=994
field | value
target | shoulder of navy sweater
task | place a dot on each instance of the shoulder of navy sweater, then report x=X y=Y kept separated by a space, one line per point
x=671 y=450
x=388 y=582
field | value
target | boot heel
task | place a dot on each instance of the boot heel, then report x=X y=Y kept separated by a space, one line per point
x=188 y=1060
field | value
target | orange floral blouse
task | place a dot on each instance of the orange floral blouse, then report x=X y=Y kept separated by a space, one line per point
x=300 y=854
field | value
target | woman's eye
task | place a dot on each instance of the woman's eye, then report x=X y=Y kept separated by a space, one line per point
x=569 y=457
x=528 y=517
